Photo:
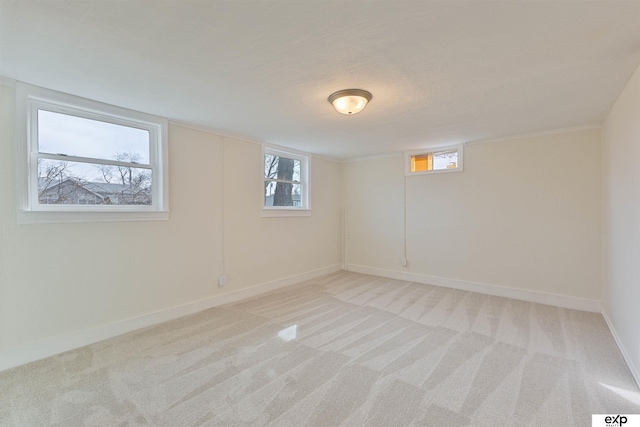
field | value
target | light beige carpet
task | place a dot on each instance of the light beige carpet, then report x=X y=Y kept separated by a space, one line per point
x=344 y=350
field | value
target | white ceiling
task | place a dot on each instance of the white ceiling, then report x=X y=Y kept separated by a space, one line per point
x=440 y=72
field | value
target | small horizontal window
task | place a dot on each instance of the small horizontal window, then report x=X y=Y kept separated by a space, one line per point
x=445 y=159
x=87 y=161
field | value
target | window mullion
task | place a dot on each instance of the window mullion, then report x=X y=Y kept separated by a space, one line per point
x=282 y=180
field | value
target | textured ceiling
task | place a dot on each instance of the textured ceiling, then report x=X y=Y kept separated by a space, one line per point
x=440 y=72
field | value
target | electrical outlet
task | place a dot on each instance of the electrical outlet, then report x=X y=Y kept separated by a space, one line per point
x=404 y=262
x=222 y=280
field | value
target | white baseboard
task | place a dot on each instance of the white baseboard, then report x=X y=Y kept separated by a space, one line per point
x=29 y=353
x=482 y=288
x=635 y=371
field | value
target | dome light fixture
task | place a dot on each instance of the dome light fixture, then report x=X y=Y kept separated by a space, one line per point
x=350 y=101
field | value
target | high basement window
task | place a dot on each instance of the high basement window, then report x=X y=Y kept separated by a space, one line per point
x=82 y=161
x=285 y=183
x=436 y=160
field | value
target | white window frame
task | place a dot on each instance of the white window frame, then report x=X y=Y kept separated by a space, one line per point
x=409 y=154
x=305 y=182
x=32 y=98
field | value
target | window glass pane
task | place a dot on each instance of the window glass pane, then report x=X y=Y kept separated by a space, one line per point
x=445 y=159
x=76 y=136
x=283 y=168
x=421 y=162
x=282 y=194
x=75 y=183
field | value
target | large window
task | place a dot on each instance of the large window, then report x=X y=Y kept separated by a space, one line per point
x=80 y=160
x=445 y=159
x=285 y=183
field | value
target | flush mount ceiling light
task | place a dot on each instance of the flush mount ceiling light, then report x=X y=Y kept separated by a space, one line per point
x=349 y=101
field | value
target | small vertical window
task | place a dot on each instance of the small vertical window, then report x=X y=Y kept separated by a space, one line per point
x=446 y=159
x=285 y=183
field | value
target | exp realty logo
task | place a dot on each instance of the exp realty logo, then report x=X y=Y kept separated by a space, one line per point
x=618 y=420
x=613 y=420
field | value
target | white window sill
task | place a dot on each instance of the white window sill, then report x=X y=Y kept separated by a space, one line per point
x=434 y=171
x=271 y=213
x=46 y=217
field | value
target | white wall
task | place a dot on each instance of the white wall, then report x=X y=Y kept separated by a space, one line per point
x=524 y=214
x=59 y=279
x=621 y=221
x=374 y=203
